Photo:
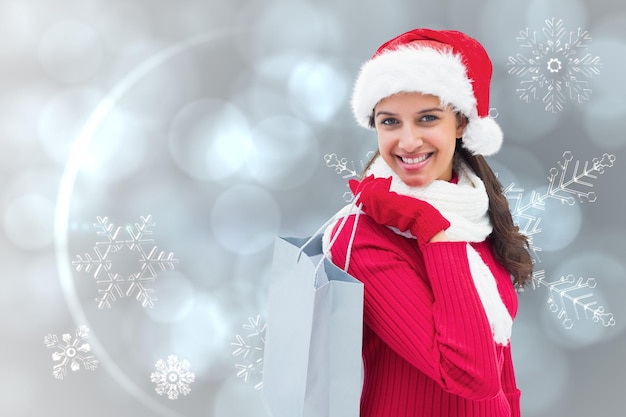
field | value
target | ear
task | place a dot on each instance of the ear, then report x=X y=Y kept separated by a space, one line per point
x=461 y=124
x=372 y=121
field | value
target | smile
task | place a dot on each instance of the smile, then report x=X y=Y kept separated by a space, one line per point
x=416 y=160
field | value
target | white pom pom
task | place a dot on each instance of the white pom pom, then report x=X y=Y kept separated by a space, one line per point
x=482 y=136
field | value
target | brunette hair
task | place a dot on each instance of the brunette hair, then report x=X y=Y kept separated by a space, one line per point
x=510 y=247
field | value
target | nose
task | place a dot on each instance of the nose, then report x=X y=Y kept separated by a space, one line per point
x=410 y=139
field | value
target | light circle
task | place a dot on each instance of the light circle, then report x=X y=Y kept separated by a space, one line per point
x=285 y=153
x=317 y=90
x=245 y=219
x=560 y=222
x=70 y=51
x=28 y=221
x=177 y=299
x=210 y=139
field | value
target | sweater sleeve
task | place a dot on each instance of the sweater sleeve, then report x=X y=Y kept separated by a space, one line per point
x=441 y=329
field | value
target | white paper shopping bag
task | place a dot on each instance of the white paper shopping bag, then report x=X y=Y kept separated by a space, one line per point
x=312 y=359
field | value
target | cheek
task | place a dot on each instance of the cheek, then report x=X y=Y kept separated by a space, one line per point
x=383 y=141
x=447 y=141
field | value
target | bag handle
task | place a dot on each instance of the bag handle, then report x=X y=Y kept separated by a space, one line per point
x=344 y=218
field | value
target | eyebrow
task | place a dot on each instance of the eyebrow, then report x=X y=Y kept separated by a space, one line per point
x=428 y=110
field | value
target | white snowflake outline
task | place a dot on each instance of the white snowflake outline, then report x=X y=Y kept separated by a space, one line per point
x=249 y=350
x=71 y=352
x=554 y=65
x=347 y=169
x=110 y=284
x=172 y=377
x=575 y=291
x=567 y=185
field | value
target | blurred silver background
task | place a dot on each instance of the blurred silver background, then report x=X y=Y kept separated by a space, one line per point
x=214 y=117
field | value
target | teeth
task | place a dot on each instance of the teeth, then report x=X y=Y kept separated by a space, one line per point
x=415 y=160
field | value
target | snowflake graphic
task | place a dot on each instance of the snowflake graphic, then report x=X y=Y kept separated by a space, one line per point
x=172 y=377
x=70 y=351
x=249 y=350
x=346 y=169
x=575 y=291
x=142 y=258
x=554 y=66
x=568 y=296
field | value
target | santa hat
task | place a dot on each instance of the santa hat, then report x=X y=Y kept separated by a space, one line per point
x=444 y=63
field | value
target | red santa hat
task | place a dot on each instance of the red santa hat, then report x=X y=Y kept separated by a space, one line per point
x=444 y=63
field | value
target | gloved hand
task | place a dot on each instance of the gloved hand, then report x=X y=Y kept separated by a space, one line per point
x=392 y=209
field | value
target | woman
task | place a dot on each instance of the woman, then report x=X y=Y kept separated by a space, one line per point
x=435 y=244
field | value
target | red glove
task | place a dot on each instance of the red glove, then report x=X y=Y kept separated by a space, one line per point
x=392 y=209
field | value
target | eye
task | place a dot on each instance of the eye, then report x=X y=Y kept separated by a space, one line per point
x=388 y=121
x=429 y=118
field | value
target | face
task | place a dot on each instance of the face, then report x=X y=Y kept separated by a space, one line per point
x=417 y=137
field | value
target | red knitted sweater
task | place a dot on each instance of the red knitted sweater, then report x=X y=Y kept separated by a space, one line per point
x=428 y=348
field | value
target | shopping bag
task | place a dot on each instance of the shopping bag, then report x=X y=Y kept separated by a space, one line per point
x=312 y=360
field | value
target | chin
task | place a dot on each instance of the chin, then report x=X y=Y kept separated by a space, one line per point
x=416 y=182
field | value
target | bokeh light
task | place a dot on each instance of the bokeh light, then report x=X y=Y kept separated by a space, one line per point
x=293 y=26
x=560 y=223
x=210 y=139
x=317 y=90
x=117 y=149
x=607 y=271
x=253 y=91
x=519 y=167
x=17 y=386
x=13 y=296
x=542 y=371
x=285 y=152
x=123 y=26
x=236 y=399
x=17 y=28
x=572 y=12
x=61 y=121
x=245 y=219
x=176 y=298
x=605 y=120
x=605 y=117
x=71 y=51
x=28 y=221
x=505 y=18
x=526 y=122
x=204 y=336
x=18 y=133
x=40 y=287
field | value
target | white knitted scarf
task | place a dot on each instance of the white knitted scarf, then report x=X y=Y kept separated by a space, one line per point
x=465 y=205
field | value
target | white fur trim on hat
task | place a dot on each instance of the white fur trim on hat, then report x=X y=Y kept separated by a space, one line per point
x=482 y=136
x=412 y=69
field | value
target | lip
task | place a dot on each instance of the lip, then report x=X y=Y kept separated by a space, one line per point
x=414 y=162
